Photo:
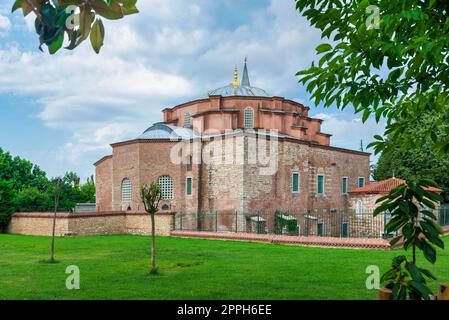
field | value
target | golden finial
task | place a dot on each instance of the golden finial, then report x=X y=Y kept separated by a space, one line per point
x=236 y=81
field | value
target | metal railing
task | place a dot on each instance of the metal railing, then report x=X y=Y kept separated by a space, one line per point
x=308 y=223
x=322 y=223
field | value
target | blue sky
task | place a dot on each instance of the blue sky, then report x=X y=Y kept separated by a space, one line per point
x=63 y=111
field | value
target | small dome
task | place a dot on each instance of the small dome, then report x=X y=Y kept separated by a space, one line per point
x=160 y=131
x=231 y=90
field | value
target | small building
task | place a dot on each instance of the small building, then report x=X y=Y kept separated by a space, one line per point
x=363 y=199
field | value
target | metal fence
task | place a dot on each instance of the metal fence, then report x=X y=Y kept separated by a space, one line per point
x=321 y=223
x=443 y=215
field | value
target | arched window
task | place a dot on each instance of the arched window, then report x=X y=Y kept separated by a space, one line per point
x=126 y=190
x=187 y=120
x=249 y=118
x=166 y=184
x=359 y=207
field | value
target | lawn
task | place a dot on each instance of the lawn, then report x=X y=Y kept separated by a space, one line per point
x=116 y=267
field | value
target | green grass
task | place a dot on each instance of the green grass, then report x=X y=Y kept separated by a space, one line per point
x=117 y=267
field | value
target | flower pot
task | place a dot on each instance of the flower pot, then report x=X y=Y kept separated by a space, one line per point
x=384 y=294
x=443 y=293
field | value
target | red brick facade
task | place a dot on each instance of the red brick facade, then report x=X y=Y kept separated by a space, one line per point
x=299 y=146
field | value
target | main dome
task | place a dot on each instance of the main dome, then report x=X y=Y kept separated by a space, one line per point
x=237 y=88
x=231 y=90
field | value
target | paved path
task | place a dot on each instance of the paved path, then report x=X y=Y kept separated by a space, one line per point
x=359 y=243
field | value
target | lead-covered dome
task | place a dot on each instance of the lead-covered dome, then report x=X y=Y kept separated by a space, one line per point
x=239 y=89
x=161 y=131
x=231 y=90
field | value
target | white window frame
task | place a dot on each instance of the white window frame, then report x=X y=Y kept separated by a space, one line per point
x=248 y=123
x=191 y=186
x=347 y=185
x=358 y=180
x=167 y=181
x=129 y=190
x=299 y=182
x=359 y=207
x=324 y=182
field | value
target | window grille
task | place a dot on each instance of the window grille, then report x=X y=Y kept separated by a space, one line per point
x=249 y=118
x=187 y=120
x=166 y=184
x=126 y=190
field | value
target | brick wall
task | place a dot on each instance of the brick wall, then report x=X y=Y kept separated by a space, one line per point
x=89 y=223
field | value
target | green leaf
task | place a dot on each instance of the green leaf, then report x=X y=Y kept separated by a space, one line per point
x=17 y=5
x=112 y=11
x=427 y=273
x=395 y=240
x=97 y=35
x=429 y=252
x=423 y=290
x=414 y=272
x=57 y=44
x=323 y=48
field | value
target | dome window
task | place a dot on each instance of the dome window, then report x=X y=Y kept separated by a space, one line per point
x=187 y=120
x=249 y=118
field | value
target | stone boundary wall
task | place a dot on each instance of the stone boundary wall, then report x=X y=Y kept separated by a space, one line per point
x=89 y=223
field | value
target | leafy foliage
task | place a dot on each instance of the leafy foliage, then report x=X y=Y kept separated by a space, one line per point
x=151 y=196
x=418 y=229
x=33 y=191
x=74 y=19
x=399 y=71
x=280 y=222
x=6 y=202
x=419 y=162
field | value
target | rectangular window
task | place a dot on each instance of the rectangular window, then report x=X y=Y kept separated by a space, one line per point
x=361 y=182
x=320 y=184
x=295 y=182
x=189 y=186
x=344 y=185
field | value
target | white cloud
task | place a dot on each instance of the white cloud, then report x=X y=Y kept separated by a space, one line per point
x=348 y=131
x=171 y=51
x=5 y=25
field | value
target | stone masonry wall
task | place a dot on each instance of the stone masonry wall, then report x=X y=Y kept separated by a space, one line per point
x=89 y=224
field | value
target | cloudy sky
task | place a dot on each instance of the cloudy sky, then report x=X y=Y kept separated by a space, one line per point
x=63 y=111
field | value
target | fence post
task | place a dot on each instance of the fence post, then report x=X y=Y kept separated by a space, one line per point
x=216 y=221
x=307 y=224
x=236 y=222
x=180 y=228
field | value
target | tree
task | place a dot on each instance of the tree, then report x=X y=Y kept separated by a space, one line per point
x=151 y=196
x=386 y=60
x=75 y=19
x=418 y=162
x=57 y=182
x=6 y=203
x=32 y=200
x=87 y=191
x=419 y=230
x=21 y=172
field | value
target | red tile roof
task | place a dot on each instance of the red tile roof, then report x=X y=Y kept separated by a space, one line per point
x=385 y=186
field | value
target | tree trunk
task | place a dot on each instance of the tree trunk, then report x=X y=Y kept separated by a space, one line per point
x=153 y=239
x=52 y=251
